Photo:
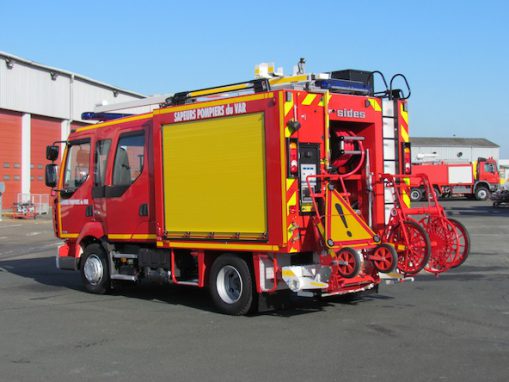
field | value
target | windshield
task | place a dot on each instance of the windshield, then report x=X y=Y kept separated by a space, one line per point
x=77 y=165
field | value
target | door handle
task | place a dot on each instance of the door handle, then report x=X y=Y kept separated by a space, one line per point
x=143 y=210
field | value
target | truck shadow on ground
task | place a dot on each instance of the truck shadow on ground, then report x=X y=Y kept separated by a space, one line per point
x=43 y=272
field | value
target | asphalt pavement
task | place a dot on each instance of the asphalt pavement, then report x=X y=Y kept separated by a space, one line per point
x=451 y=328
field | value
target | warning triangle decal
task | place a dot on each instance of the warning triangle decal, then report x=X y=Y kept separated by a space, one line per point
x=342 y=225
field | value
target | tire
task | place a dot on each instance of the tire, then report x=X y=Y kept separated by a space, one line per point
x=412 y=256
x=386 y=258
x=348 y=263
x=464 y=243
x=442 y=233
x=437 y=192
x=415 y=194
x=231 y=285
x=482 y=193
x=94 y=269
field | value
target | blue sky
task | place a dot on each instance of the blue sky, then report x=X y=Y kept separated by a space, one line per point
x=454 y=53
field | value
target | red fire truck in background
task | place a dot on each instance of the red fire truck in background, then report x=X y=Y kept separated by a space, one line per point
x=477 y=179
x=281 y=183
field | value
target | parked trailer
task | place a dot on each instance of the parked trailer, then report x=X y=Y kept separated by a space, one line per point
x=250 y=189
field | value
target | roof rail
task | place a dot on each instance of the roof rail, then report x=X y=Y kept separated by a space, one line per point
x=257 y=85
x=90 y=115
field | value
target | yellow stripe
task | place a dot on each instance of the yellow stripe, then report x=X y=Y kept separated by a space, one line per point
x=406 y=199
x=374 y=104
x=283 y=133
x=288 y=107
x=246 y=247
x=115 y=122
x=144 y=236
x=309 y=99
x=404 y=134
x=247 y=98
x=60 y=186
x=293 y=198
x=319 y=285
x=127 y=236
x=287 y=273
x=327 y=97
x=69 y=235
x=221 y=89
x=288 y=80
x=403 y=113
x=119 y=236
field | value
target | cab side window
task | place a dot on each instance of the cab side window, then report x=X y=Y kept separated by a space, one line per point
x=102 y=149
x=77 y=165
x=129 y=159
x=488 y=167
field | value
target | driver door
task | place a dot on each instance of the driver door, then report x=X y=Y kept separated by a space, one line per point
x=74 y=199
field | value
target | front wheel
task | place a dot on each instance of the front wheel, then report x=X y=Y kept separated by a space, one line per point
x=416 y=194
x=482 y=193
x=94 y=269
x=231 y=285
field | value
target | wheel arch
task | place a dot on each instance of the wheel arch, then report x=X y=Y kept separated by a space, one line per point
x=483 y=184
x=92 y=232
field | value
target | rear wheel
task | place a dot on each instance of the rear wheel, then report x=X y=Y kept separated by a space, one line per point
x=231 y=285
x=94 y=269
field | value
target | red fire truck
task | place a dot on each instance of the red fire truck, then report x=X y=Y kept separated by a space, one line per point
x=250 y=189
x=477 y=179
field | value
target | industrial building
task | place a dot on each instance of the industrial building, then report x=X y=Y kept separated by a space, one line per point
x=38 y=106
x=426 y=149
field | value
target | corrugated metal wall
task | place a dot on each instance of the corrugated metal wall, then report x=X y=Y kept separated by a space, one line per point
x=25 y=87
x=452 y=153
x=31 y=90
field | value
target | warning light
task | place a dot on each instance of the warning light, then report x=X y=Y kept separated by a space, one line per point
x=294 y=164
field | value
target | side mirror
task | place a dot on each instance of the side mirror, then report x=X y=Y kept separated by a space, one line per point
x=52 y=153
x=51 y=175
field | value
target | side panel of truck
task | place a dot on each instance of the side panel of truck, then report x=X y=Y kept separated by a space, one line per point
x=217 y=186
x=214 y=178
x=460 y=175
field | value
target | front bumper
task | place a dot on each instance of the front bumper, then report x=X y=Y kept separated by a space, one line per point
x=64 y=261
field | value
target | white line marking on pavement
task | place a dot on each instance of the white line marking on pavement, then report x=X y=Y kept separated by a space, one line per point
x=10 y=225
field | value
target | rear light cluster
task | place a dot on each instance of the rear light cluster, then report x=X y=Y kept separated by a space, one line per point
x=294 y=156
x=407 y=158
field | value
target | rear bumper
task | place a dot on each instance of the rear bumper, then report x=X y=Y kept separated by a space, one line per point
x=65 y=262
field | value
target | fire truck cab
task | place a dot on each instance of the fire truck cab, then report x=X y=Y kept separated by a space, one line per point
x=249 y=189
